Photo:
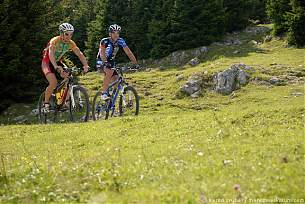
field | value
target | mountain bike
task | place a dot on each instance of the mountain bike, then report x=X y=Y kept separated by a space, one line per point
x=128 y=103
x=68 y=102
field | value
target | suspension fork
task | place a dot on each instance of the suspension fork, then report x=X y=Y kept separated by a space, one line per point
x=123 y=95
x=72 y=99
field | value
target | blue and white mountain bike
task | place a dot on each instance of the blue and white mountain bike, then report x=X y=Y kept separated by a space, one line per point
x=121 y=94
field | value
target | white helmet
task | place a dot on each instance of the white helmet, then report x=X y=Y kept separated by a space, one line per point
x=114 y=27
x=66 y=27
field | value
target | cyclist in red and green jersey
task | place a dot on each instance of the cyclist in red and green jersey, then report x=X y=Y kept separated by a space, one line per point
x=52 y=55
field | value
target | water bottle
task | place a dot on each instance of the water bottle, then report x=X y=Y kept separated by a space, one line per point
x=59 y=95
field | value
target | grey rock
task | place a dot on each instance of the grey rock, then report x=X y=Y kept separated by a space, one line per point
x=253 y=42
x=268 y=38
x=218 y=43
x=275 y=81
x=258 y=81
x=34 y=112
x=22 y=121
x=194 y=62
x=180 y=77
x=192 y=86
x=242 y=77
x=203 y=49
x=232 y=41
x=296 y=94
x=180 y=58
x=236 y=52
x=231 y=79
x=19 y=118
x=196 y=94
x=257 y=29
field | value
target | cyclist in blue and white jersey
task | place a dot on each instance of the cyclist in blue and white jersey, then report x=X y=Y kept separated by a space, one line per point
x=105 y=58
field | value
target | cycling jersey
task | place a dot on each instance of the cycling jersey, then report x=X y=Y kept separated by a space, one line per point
x=61 y=48
x=111 y=48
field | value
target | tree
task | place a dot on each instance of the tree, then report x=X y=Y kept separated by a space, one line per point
x=95 y=30
x=296 y=23
x=23 y=35
x=277 y=9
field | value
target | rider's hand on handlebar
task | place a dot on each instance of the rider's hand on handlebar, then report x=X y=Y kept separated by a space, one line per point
x=61 y=71
x=107 y=64
x=86 y=68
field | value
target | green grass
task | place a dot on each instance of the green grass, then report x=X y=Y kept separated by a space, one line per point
x=178 y=150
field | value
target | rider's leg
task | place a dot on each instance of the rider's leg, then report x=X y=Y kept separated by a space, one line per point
x=52 y=85
x=50 y=76
x=114 y=78
x=107 y=79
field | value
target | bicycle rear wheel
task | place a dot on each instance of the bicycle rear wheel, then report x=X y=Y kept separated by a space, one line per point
x=79 y=110
x=129 y=102
x=50 y=116
x=100 y=108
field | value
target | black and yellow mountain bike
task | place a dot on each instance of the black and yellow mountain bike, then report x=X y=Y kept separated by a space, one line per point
x=68 y=102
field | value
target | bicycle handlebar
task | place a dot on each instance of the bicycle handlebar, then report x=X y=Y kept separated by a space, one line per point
x=76 y=70
x=124 y=69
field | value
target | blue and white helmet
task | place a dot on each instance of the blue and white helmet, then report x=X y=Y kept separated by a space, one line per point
x=64 y=27
x=114 y=27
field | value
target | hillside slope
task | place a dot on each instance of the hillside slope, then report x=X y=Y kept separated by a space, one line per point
x=249 y=145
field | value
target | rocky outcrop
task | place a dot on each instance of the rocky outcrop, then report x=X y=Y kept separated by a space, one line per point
x=193 y=86
x=194 y=62
x=257 y=29
x=179 y=58
x=224 y=82
x=231 y=79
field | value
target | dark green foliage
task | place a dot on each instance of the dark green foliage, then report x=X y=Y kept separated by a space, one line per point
x=24 y=31
x=277 y=10
x=296 y=23
x=288 y=16
x=151 y=28
x=185 y=24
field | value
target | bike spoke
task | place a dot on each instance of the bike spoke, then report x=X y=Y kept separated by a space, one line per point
x=79 y=105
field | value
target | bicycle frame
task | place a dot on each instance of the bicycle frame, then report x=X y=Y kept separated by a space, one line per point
x=120 y=87
x=69 y=89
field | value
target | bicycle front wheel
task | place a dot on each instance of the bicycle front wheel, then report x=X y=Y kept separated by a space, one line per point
x=100 y=107
x=129 y=102
x=79 y=105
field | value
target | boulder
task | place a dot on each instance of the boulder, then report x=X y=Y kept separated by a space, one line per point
x=253 y=42
x=257 y=29
x=268 y=38
x=276 y=81
x=34 y=112
x=194 y=62
x=231 y=79
x=193 y=86
x=19 y=118
x=180 y=58
x=180 y=77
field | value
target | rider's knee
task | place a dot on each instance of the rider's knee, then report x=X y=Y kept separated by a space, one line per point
x=109 y=74
x=53 y=84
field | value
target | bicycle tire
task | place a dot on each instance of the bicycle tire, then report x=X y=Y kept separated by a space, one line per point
x=137 y=100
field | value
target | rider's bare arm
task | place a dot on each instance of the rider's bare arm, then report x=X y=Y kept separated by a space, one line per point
x=130 y=55
x=52 y=50
x=81 y=57
x=102 y=51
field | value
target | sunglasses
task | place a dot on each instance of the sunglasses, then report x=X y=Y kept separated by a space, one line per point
x=68 y=34
x=116 y=31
